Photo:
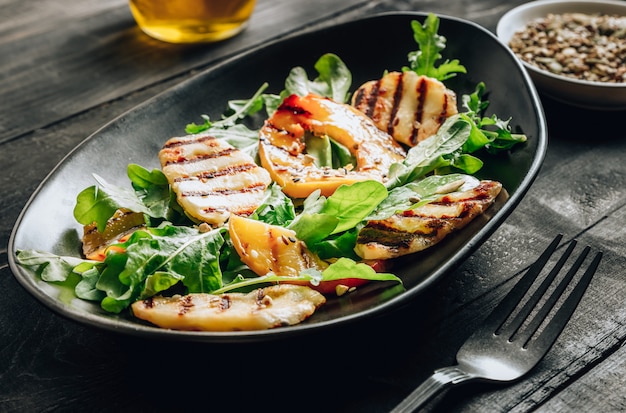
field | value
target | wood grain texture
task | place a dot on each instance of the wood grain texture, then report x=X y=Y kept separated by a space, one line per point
x=61 y=59
x=55 y=58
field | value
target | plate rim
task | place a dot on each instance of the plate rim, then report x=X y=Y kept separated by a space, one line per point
x=394 y=303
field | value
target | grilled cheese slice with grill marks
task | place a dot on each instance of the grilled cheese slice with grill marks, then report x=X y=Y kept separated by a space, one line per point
x=211 y=178
x=263 y=308
x=422 y=227
x=406 y=105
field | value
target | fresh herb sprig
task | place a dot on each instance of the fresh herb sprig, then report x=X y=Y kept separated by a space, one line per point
x=424 y=60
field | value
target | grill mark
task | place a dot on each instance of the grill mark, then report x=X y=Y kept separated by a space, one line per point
x=185 y=305
x=260 y=295
x=358 y=99
x=199 y=139
x=422 y=90
x=225 y=302
x=444 y=109
x=242 y=212
x=372 y=98
x=229 y=170
x=397 y=97
x=226 y=191
x=290 y=104
x=198 y=158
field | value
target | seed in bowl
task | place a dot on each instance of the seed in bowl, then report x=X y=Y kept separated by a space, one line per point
x=582 y=46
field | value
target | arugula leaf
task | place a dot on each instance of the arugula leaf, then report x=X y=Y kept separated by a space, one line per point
x=238 y=109
x=276 y=208
x=52 y=267
x=333 y=81
x=152 y=189
x=432 y=153
x=158 y=258
x=241 y=137
x=418 y=193
x=424 y=60
x=492 y=133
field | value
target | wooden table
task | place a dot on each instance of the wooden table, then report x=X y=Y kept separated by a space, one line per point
x=67 y=68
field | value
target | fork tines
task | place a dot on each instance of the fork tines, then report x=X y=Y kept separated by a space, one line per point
x=518 y=328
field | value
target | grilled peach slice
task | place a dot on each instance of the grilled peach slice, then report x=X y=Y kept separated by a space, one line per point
x=283 y=151
x=269 y=248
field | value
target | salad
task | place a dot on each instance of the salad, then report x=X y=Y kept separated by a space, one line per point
x=157 y=249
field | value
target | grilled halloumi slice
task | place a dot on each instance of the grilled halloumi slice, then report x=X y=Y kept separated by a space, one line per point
x=211 y=178
x=406 y=105
x=261 y=309
x=417 y=229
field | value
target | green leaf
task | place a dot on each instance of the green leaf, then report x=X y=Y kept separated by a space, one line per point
x=276 y=208
x=350 y=204
x=432 y=153
x=313 y=228
x=341 y=269
x=343 y=210
x=87 y=286
x=424 y=60
x=156 y=259
x=333 y=80
x=51 y=267
x=152 y=189
x=240 y=136
x=99 y=203
x=320 y=149
x=418 y=193
x=237 y=110
x=467 y=163
x=343 y=266
x=491 y=133
x=338 y=245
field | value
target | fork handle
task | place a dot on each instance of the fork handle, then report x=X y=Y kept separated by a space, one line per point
x=439 y=380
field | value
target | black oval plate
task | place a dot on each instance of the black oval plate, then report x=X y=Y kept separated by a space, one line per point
x=368 y=47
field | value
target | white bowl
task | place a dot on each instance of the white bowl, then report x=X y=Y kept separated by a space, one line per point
x=581 y=93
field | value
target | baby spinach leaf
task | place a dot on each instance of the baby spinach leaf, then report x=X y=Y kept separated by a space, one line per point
x=344 y=209
x=333 y=80
x=343 y=266
x=350 y=204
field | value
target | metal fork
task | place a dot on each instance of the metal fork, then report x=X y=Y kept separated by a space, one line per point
x=502 y=351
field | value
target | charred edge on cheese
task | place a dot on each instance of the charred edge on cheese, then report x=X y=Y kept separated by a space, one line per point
x=199 y=158
x=172 y=143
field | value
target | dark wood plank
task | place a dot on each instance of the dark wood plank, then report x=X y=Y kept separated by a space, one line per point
x=74 y=58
